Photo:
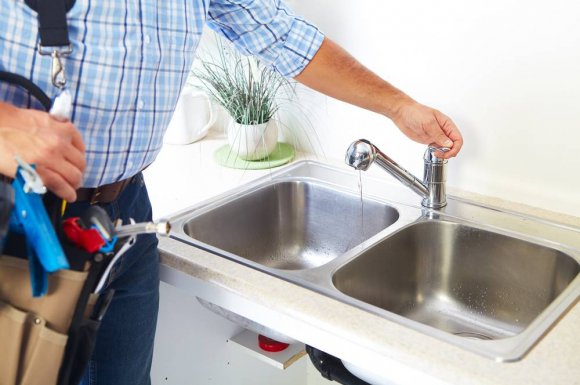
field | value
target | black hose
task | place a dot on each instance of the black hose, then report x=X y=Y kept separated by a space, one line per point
x=332 y=368
x=29 y=86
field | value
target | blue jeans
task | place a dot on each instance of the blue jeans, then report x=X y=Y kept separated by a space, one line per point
x=124 y=347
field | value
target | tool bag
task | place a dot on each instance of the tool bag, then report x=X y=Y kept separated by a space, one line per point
x=34 y=330
x=48 y=339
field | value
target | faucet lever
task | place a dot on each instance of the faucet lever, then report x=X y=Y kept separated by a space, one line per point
x=430 y=153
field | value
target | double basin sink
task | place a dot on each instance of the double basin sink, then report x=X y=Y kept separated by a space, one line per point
x=485 y=280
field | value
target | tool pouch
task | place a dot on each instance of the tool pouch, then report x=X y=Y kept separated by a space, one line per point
x=33 y=330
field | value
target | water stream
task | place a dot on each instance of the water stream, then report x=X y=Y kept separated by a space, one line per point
x=362 y=206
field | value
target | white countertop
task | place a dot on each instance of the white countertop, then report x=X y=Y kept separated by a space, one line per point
x=186 y=175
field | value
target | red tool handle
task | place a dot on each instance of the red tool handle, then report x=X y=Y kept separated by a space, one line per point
x=88 y=239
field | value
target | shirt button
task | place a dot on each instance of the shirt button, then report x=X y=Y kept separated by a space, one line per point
x=147 y=39
x=140 y=105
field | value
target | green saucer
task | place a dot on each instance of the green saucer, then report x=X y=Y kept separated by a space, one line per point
x=282 y=154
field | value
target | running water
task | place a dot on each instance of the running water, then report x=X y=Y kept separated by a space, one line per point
x=362 y=206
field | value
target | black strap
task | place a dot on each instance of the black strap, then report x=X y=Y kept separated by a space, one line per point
x=29 y=86
x=52 y=25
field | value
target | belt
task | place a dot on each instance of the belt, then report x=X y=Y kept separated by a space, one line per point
x=105 y=193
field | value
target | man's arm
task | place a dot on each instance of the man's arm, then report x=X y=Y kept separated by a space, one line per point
x=55 y=147
x=335 y=73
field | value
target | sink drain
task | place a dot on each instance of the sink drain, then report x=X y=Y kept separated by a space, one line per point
x=473 y=336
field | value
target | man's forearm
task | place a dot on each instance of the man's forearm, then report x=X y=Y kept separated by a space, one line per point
x=335 y=73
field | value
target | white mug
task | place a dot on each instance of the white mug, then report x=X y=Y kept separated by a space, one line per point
x=192 y=118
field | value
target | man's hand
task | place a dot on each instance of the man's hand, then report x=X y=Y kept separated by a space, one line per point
x=428 y=126
x=56 y=148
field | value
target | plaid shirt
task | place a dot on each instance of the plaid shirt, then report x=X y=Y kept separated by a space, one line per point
x=130 y=60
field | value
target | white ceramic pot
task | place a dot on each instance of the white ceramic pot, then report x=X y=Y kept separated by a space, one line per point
x=252 y=142
x=192 y=118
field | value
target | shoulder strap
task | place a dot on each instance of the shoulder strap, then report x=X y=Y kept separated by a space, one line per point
x=52 y=25
x=53 y=32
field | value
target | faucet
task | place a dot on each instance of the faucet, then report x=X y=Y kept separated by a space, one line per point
x=362 y=153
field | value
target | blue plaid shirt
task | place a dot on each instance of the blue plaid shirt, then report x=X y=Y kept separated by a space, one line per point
x=130 y=60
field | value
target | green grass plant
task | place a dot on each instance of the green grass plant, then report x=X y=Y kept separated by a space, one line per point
x=247 y=89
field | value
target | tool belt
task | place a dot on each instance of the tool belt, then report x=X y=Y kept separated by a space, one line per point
x=50 y=309
x=48 y=339
x=34 y=330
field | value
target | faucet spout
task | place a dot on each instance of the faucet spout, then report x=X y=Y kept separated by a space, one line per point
x=362 y=153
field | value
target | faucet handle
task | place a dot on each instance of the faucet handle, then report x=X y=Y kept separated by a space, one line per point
x=430 y=157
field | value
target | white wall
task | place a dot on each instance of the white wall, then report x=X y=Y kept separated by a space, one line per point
x=506 y=71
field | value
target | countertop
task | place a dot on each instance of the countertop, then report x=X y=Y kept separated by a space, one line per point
x=186 y=175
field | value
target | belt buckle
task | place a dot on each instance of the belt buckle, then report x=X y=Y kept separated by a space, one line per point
x=95 y=196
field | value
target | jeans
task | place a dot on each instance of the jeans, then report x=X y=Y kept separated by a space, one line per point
x=124 y=346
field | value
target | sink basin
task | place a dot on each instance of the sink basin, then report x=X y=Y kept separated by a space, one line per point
x=460 y=279
x=483 y=279
x=291 y=225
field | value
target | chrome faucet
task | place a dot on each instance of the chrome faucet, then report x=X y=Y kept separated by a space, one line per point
x=362 y=153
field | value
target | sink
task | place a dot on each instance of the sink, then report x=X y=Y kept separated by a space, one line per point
x=460 y=279
x=485 y=280
x=291 y=225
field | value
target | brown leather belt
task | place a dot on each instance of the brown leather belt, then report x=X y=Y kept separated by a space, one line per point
x=103 y=194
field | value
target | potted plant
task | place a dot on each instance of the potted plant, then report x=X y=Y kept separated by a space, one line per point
x=252 y=95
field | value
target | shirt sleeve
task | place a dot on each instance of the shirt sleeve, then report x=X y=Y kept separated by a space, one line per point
x=269 y=30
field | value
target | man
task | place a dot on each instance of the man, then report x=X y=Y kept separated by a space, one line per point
x=129 y=62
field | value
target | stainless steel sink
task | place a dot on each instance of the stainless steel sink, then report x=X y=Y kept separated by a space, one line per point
x=458 y=278
x=489 y=281
x=291 y=225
